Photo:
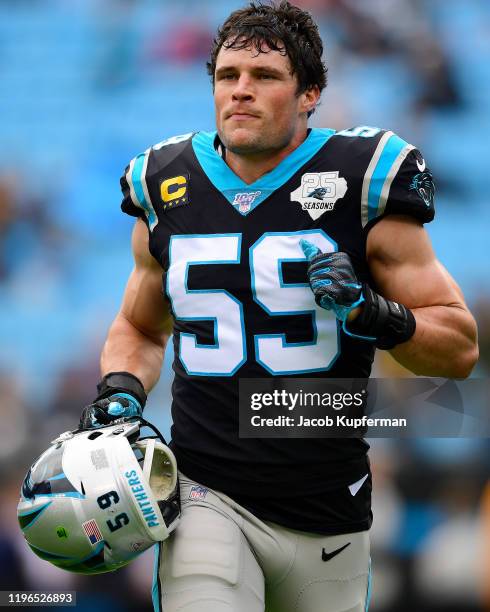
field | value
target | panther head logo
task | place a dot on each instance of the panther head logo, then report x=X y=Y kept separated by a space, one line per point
x=422 y=183
x=318 y=193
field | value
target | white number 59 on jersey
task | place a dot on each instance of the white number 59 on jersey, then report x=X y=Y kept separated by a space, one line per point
x=228 y=352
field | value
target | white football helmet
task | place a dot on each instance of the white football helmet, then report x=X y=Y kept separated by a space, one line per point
x=98 y=498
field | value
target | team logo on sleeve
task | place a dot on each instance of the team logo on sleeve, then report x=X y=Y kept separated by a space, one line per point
x=174 y=191
x=319 y=191
x=423 y=185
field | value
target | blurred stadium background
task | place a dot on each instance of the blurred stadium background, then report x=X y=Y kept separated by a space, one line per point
x=84 y=86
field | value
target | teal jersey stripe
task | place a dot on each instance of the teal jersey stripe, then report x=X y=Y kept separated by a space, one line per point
x=226 y=181
x=136 y=175
x=369 y=586
x=155 y=589
x=137 y=178
x=392 y=149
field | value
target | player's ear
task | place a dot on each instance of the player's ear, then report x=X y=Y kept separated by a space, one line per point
x=309 y=99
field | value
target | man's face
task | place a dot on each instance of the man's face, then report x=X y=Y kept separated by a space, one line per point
x=256 y=102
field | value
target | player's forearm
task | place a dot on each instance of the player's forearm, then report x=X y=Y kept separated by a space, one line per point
x=444 y=343
x=128 y=349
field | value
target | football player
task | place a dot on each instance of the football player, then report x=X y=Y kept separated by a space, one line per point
x=284 y=251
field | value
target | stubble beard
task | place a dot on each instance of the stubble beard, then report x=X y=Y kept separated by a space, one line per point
x=256 y=143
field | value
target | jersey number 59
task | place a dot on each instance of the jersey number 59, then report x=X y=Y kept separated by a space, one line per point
x=229 y=350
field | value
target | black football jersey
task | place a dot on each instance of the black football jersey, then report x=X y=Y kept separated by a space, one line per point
x=235 y=277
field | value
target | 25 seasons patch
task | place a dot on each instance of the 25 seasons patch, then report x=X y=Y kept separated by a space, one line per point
x=319 y=191
x=174 y=191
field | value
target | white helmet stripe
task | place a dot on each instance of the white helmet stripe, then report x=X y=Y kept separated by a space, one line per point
x=150 y=450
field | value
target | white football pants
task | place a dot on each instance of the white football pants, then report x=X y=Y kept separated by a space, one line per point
x=221 y=558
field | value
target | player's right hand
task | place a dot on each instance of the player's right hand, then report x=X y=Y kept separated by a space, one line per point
x=104 y=411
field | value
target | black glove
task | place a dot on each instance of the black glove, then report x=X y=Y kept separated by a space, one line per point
x=121 y=394
x=333 y=280
x=335 y=285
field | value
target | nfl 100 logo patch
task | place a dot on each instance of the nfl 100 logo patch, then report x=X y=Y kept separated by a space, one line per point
x=197 y=492
x=244 y=201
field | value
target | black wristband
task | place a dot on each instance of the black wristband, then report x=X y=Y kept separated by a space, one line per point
x=388 y=322
x=121 y=382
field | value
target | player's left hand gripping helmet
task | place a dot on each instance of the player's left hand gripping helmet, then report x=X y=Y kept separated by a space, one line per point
x=98 y=498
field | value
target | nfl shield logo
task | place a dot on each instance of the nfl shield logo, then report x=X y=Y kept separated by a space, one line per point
x=197 y=492
x=245 y=200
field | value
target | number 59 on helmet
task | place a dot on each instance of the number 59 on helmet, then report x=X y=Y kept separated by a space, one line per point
x=96 y=499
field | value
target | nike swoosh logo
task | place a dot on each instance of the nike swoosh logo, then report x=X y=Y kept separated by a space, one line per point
x=421 y=166
x=355 y=487
x=327 y=556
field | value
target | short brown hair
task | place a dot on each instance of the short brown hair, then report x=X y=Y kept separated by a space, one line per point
x=284 y=28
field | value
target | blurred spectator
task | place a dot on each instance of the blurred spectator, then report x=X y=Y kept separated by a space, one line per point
x=374 y=28
x=75 y=390
x=117 y=63
x=14 y=419
x=185 y=43
x=7 y=218
x=26 y=228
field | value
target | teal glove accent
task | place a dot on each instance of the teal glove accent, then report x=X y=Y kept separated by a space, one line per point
x=104 y=411
x=333 y=280
x=309 y=249
x=127 y=409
